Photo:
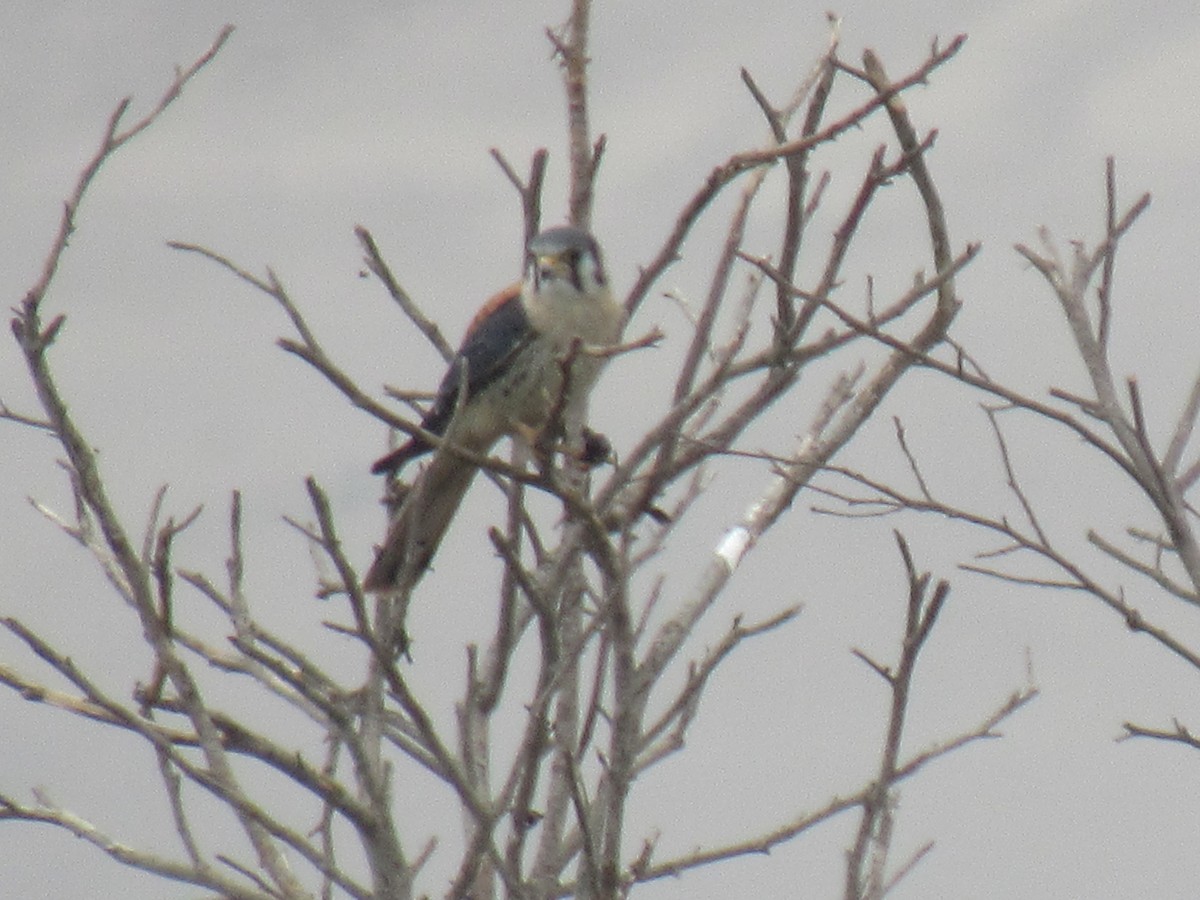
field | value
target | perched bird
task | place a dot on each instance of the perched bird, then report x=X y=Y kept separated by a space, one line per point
x=505 y=379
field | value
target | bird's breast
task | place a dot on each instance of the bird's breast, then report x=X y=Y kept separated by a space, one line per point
x=563 y=315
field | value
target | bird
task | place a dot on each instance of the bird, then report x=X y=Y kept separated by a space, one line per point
x=505 y=380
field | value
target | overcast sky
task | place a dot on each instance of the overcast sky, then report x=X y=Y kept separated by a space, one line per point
x=317 y=117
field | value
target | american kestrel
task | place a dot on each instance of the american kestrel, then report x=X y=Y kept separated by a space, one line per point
x=509 y=371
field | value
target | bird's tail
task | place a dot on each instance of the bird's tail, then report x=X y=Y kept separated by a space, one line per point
x=421 y=521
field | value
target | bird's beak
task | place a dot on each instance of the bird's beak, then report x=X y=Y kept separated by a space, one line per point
x=554 y=265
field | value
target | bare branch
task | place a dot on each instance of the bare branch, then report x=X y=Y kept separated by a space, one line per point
x=529 y=190
x=113 y=139
x=1179 y=734
x=307 y=348
x=867 y=859
x=375 y=262
x=839 y=804
x=743 y=162
x=1184 y=427
x=1154 y=572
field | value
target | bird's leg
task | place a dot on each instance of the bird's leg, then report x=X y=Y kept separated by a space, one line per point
x=597 y=449
x=539 y=442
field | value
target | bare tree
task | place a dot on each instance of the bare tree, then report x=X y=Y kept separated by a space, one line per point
x=1110 y=421
x=613 y=693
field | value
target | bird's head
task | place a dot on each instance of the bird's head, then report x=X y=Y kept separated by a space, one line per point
x=566 y=256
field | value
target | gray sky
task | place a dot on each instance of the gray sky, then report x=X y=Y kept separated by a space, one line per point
x=317 y=117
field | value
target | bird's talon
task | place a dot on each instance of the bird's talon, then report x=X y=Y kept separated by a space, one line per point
x=597 y=448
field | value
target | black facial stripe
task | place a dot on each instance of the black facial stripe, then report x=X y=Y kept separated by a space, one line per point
x=573 y=257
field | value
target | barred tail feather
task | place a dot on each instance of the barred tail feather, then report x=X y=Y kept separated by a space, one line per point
x=422 y=520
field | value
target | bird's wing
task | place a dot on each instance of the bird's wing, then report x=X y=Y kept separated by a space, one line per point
x=498 y=333
x=419 y=525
